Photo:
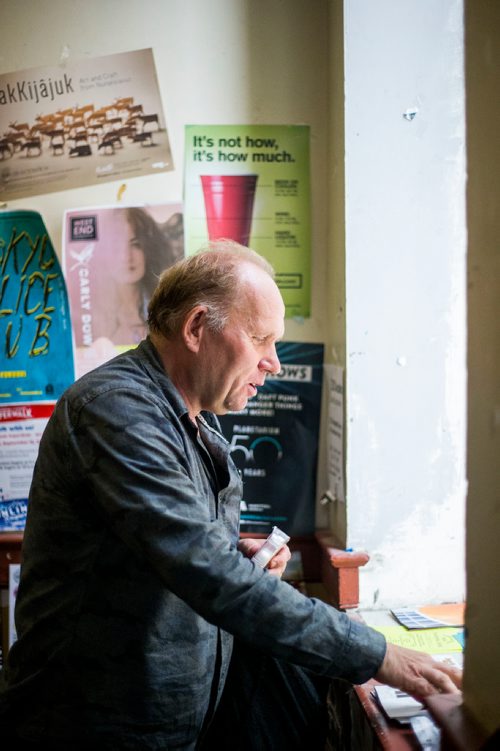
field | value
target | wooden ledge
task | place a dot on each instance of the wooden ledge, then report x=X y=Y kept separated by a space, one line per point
x=341 y=558
x=340 y=571
x=11 y=538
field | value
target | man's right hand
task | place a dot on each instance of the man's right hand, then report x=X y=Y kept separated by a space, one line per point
x=277 y=564
x=417 y=673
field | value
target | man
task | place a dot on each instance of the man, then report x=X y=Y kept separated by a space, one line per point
x=134 y=582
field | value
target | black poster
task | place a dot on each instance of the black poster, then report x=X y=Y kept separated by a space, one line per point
x=274 y=443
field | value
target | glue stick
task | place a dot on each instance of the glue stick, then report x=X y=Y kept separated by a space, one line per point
x=276 y=540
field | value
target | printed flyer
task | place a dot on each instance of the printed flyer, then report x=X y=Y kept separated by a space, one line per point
x=112 y=257
x=84 y=122
x=35 y=327
x=274 y=443
x=251 y=184
x=21 y=428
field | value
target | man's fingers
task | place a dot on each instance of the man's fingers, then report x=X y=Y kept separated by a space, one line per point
x=447 y=681
x=277 y=564
x=435 y=681
x=417 y=673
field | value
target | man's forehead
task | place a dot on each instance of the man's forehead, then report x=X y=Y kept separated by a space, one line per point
x=256 y=282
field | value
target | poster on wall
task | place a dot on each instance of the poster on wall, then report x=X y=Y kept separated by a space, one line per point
x=112 y=257
x=81 y=123
x=21 y=428
x=35 y=325
x=251 y=184
x=274 y=443
x=37 y=352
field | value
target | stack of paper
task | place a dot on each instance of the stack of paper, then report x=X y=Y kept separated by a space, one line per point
x=403 y=708
x=397 y=704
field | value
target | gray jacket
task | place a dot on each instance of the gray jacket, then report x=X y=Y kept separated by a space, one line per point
x=132 y=585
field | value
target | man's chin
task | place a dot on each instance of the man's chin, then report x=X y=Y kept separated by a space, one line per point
x=238 y=406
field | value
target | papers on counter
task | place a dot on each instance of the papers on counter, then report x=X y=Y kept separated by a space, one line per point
x=434 y=641
x=431 y=616
x=397 y=704
x=403 y=708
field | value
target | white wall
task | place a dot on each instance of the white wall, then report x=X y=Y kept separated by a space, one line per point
x=405 y=251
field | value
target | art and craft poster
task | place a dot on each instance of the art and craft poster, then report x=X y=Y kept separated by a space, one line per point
x=35 y=327
x=274 y=443
x=112 y=259
x=21 y=428
x=252 y=184
x=81 y=123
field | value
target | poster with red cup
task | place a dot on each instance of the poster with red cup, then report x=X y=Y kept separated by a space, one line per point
x=251 y=184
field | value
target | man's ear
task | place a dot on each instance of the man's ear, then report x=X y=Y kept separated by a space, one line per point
x=194 y=325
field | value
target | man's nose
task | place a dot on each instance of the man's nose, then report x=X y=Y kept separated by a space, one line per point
x=270 y=363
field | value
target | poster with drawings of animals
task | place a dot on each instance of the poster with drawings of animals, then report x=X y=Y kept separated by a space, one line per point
x=81 y=123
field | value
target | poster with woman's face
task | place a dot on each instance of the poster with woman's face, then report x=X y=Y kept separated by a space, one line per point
x=112 y=260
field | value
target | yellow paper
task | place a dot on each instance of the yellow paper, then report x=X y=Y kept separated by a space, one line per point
x=431 y=640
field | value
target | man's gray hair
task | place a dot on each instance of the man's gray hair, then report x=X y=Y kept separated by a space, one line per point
x=211 y=277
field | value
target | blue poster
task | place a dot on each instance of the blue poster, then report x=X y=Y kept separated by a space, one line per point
x=274 y=443
x=36 y=361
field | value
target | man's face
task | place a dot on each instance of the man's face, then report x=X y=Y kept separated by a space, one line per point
x=236 y=361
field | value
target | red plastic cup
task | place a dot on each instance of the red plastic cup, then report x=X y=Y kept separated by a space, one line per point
x=229 y=206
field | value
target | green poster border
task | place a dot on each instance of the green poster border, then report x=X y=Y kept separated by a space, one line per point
x=281 y=225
